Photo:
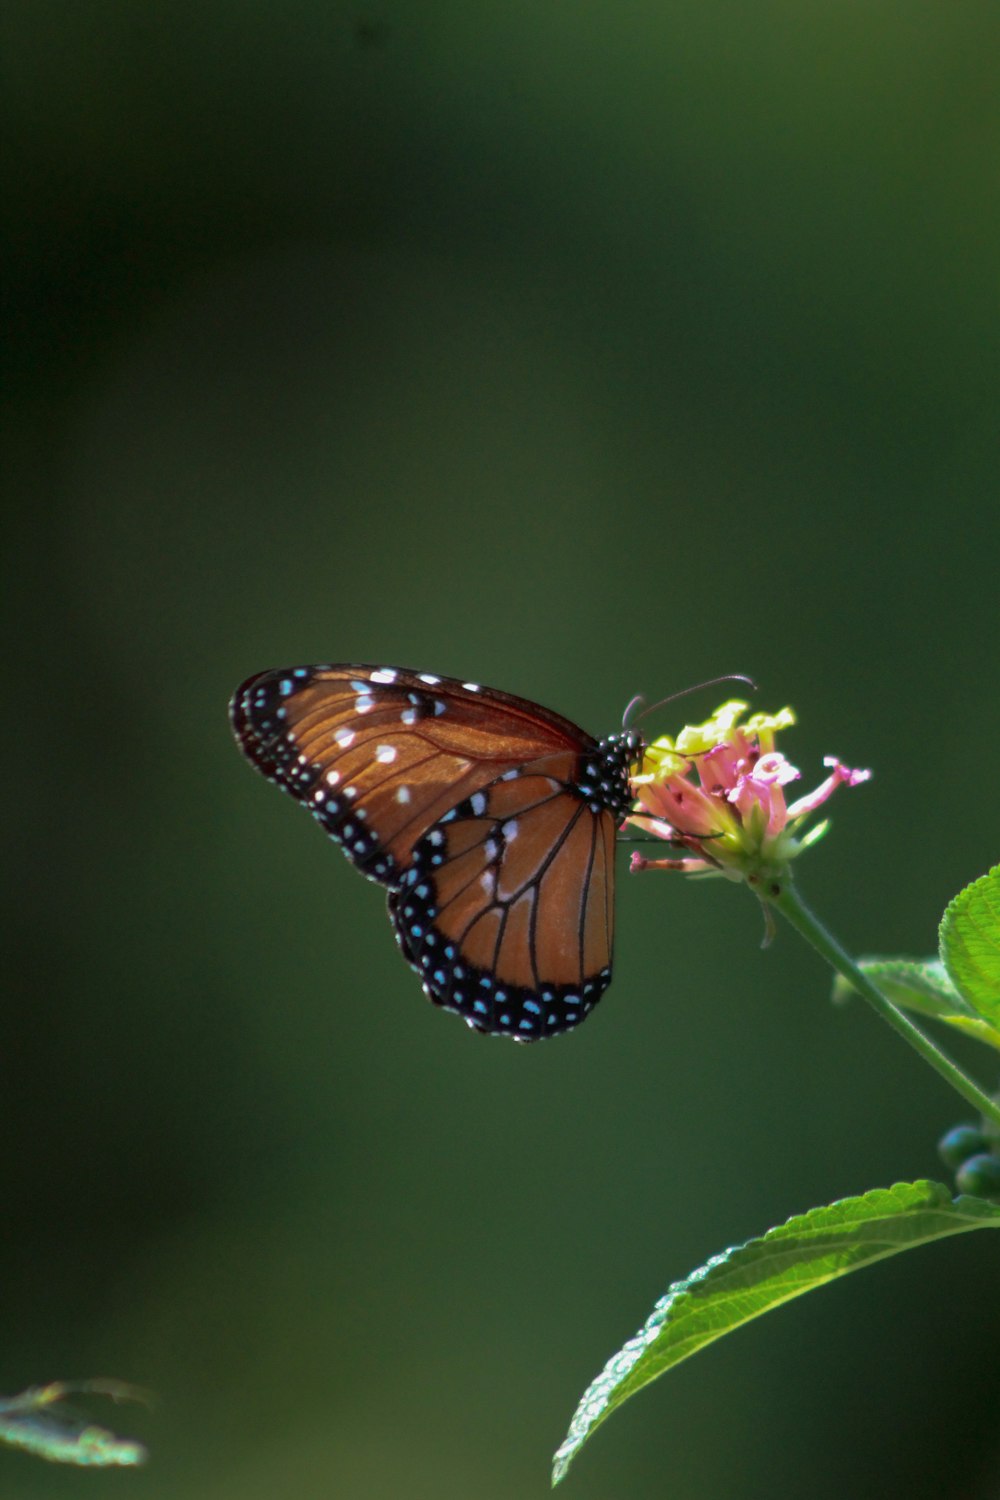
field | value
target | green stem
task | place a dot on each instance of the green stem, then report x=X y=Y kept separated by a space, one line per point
x=785 y=898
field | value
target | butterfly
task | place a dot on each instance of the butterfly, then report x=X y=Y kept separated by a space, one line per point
x=490 y=819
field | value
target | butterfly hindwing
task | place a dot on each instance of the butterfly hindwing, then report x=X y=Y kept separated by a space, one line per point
x=507 y=911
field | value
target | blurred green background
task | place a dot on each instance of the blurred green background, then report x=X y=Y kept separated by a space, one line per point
x=583 y=350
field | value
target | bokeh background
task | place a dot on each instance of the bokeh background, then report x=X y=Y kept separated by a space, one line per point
x=583 y=350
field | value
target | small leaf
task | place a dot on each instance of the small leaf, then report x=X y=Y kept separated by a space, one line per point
x=970 y=944
x=923 y=985
x=36 y=1422
x=748 y=1280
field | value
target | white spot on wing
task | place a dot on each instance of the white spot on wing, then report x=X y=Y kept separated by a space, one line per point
x=385 y=753
x=384 y=674
x=344 y=737
x=510 y=830
x=364 y=705
x=403 y=794
x=409 y=716
x=429 y=677
x=478 y=803
x=472 y=687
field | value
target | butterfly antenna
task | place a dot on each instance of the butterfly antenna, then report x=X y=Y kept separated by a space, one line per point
x=683 y=692
x=632 y=703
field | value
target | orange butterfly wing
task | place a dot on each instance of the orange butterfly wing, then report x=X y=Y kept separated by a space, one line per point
x=507 y=911
x=490 y=819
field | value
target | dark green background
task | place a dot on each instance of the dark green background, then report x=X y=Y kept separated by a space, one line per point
x=583 y=350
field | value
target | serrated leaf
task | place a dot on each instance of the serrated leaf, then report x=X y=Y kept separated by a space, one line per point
x=970 y=944
x=925 y=986
x=748 y=1280
x=37 y=1422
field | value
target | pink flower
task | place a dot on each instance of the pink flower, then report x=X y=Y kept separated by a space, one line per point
x=718 y=792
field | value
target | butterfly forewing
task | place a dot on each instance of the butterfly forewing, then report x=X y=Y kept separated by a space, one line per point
x=379 y=754
x=490 y=819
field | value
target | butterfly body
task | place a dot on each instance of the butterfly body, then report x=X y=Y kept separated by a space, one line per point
x=490 y=819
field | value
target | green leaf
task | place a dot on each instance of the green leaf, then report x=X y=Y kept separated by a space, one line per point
x=36 y=1422
x=970 y=944
x=748 y=1280
x=922 y=985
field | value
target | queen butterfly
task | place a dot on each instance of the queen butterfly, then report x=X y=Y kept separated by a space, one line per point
x=490 y=819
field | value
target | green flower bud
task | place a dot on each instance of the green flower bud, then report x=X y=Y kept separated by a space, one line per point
x=980 y=1175
x=961 y=1142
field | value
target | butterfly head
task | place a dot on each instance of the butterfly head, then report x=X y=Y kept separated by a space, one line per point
x=617 y=756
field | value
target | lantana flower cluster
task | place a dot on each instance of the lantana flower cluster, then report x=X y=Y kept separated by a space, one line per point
x=717 y=792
